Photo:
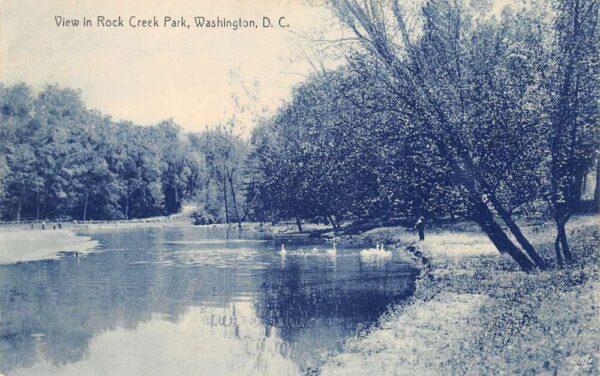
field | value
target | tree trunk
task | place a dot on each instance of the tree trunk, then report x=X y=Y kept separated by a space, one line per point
x=484 y=217
x=299 y=224
x=37 y=206
x=237 y=215
x=564 y=243
x=19 y=210
x=597 y=189
x=85 y=205
x=474 y=182
x=338 y=221
x=127 y=206
x=330 y=218
x=225 y=199
x=559 y=258
x=578 y=189
x=516 y=231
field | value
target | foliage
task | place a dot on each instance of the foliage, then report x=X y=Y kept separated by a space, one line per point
x=441 y=109
x=65 y=161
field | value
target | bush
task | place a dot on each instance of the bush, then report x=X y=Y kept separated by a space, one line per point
x=202 y=217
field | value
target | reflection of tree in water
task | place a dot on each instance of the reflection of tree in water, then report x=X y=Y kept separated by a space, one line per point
x=54 y=308
x=315 y=309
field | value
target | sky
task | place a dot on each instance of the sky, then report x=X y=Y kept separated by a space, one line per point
x=147 y=75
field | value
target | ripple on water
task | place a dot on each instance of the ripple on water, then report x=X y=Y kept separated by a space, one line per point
x=219 y=257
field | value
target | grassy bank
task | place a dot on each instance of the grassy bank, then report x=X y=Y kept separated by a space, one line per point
x=475 y=313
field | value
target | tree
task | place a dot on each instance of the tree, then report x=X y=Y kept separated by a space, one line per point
x=428 y=71
x=65 y=161
x=574 y=89
x=224 y=153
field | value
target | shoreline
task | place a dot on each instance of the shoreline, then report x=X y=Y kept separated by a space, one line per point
x=475 y=312
x=21 y=245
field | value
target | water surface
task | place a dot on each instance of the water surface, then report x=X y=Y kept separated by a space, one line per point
x=190 y=301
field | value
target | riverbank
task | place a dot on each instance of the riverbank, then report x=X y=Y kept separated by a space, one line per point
x=475 y=313
x=23 y=242
x=21 y=245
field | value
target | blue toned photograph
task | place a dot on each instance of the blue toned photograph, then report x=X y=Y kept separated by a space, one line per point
x=299 y=187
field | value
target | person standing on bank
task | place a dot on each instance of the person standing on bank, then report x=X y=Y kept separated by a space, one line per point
x=420 y=226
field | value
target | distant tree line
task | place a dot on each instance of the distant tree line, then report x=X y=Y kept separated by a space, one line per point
x=60 y=160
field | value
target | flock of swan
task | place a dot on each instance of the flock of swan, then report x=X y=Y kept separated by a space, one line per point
x=378 y=252
x=313 y=251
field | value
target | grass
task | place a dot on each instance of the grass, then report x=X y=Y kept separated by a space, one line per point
x=475 y=312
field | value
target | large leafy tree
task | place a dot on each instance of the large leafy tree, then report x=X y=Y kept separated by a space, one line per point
x=439 y=71
x=573 y=83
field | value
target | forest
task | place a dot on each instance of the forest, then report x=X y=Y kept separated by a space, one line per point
x=62 y=161
x=441 y=110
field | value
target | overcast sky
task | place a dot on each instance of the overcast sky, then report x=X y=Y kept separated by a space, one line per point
x=148 y=75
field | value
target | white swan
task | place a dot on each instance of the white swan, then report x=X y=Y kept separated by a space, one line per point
x=282 y=251
x=301 y=252
x=376 y=252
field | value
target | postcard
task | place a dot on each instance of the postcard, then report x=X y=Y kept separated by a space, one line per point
x=299 y=187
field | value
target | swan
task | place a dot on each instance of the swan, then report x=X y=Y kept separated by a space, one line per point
x=378 y=251
x=301 y=252
x=282 y=252
x=370 y=251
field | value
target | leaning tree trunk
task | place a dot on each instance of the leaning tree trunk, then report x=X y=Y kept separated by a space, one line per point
x=330 y=218
x=562 y=233
x=484 y=217
x=479 y=180
x=475 y=183
x=516 y=231
x=562 y=243
x=85 y=206
x=299 y=224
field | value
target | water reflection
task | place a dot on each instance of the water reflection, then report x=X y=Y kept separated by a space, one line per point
x=184 y=301
x=225 y=340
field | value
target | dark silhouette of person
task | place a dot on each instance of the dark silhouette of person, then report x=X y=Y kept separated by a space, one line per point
x=420 y=226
